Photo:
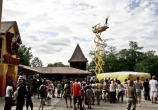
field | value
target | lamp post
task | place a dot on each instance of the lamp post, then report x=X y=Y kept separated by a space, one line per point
x=1 y=2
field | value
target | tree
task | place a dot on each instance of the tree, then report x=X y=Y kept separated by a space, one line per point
x=110 y=59
x=91 y=66
x=149 y=63
x=25 y=55
x=56 y=64
x=123 y=60
x=131 y=59
x=36 y=62
x=134 y=54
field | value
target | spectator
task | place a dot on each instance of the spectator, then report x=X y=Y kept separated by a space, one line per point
x=146 y=90
x=82 y=97
x=21 y=93
x=93 y=96
x=153 y=89
x=49 y=97
x=120 y=91
x=98 y=91
x=106 y=90
x=39 y=83
x=67 y=93
x=42 y=91
x=76 y=94
x=131 y=95
x=8 y=96
x=89 y=95
x=138 y=86
x=59 y=87
x=28 y=98
x=112 y=89
x=62 y=87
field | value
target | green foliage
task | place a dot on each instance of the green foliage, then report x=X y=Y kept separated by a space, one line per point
x=91 y=68
x=132 y=59
x=25 y=55
x=56 y=64
x=149 y=64
x=36 y=62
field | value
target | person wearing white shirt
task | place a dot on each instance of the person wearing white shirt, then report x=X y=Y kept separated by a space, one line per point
x=112 y=89
x=120 y=91
x=153 y=89
x=8 y=96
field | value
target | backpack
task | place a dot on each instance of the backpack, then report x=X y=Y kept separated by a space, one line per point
x=68 y=89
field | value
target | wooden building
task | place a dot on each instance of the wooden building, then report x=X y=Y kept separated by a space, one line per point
x=78 y=59
x=77 y=69
x=29 y=72
x=59 y=72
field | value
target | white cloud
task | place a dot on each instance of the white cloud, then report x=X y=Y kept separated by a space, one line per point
x=52 y=28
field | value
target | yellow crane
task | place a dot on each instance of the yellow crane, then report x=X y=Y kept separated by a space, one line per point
x=98 y=29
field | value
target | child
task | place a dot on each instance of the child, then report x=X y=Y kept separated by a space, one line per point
x=28 y=98
x=82 y=97
x=49 y=97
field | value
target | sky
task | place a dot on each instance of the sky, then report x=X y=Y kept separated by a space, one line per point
x=53 y=28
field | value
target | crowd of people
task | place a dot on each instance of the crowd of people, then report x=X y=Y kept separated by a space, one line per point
x=79 y=93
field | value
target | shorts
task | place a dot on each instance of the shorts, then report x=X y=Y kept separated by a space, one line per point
x=42 y=101
x=29 y=103
x=98 y=92
x=153 y=93
x=139 y=95
x=77 y=98
x=68 y=97
x=59 y=91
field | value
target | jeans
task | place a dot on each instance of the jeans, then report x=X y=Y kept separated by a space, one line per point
x=120 y=94
x=113 y=97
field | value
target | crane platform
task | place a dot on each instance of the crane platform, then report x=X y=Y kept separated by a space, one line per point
x=98 y=28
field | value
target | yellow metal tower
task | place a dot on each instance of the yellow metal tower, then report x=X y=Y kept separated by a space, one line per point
x=98 y=29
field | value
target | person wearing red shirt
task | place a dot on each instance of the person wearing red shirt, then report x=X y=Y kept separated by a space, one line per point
x=76 y=94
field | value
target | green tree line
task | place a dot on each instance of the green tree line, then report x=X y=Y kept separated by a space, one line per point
x=27 y=58
x=131 y=59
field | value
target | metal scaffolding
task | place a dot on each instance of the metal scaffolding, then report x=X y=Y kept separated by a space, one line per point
x=98 y=29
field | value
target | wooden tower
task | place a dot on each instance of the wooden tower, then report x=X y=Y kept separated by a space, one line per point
x=78 y=59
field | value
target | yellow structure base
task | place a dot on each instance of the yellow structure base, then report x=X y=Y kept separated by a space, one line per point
x=124 y=75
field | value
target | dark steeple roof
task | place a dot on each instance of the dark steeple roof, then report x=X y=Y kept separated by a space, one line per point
x=78 y=55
